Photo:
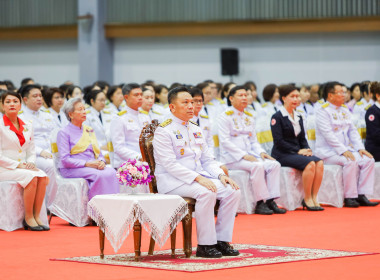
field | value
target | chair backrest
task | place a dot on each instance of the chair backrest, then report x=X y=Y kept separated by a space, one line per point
x=146 y=148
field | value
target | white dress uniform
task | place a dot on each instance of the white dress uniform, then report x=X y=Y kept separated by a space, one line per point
x=181 y=154
x=306 y=108
x=163 y=109
x=203 y=122
x=153 y=115
x=43 y=125
x=113 y=109
x=318 y=104
x=60 y=118
x=101 y=128
x=336 y=134
x=12 y=153
x=237 y=138
x=125 y=132
x=361 y=108
x=268 y=109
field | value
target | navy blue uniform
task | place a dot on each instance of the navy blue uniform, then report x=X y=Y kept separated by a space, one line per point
x=372 y=120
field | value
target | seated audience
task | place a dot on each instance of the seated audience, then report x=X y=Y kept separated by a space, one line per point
x=239 y=149
x=338 y=142
x=116 y=98
x=161 y=99
x=183 y=159
x=271 y=96
x=291 y=149
x=73 y=91
x=80 y=155
x=54 y=99
x=17 y=160
x=372 y=119
x=356 y=95
x=147 y=104
x=363 y=105
x=305 y=106
x=254 y=104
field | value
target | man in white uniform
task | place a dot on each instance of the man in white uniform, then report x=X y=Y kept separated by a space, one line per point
x=43 y=125
x=338 y=142
x=126 y=128
x=184 y=166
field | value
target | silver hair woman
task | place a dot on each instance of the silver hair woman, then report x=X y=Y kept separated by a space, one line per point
x=69 y=106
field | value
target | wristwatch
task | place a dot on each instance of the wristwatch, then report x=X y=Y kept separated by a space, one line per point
x=220 y=175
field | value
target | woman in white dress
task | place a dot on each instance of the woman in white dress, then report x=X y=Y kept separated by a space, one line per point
x=17 y=160
x=116 y=98
x=147 y=104
x=54 y=99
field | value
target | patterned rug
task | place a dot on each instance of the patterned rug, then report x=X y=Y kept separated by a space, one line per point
x=249 y=255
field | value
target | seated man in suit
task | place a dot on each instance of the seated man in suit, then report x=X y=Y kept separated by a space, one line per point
x=338 y=142
x=185 y=166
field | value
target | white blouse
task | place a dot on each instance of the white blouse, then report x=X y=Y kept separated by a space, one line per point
x=295 y=122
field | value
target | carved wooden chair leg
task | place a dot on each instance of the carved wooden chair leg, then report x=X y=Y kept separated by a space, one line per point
x=137 y=240
x=187 y=229
x=101 y=241
x=50 y=216
x=172 y=242
x=151 y=246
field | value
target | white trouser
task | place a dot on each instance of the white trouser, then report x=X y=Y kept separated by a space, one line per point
x=207 y=232
x=47 y=165
x=264 y=176
x=358 y=176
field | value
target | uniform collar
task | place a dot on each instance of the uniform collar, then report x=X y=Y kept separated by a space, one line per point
x=94 y=111
x=285 y=113
x=236 y=111
x=333 y=106
x=179 y=121
x=131 y=111
x=74 y=127
x=377 y=104
x=31 y=111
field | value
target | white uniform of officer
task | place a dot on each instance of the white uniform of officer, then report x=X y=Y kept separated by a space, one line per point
x=237 y=138
x=203 y=122
x=268 y=109
x=43 y=124
x=125 y=132
x=336 y=134
x=361 y=108
x=100 y=122
x=60 y=118
x=153 y=115
x=181 y=154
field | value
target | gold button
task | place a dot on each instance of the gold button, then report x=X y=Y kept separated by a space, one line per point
x=20 y=151
x=19 y=159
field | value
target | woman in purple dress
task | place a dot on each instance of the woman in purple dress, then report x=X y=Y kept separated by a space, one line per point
x=80 y=155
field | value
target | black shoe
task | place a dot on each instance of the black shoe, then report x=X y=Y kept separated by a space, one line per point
x=226 y=249
x=46 y=228
x=309 y=208
x=208 y=251
x=26 y=227
x=363 y=201
x=262 y=208
x=272 y=205
x=351 y=203
x=319 y=208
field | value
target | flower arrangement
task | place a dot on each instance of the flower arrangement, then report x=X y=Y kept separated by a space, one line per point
x=133 y=173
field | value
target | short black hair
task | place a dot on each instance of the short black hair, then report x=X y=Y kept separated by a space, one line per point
x=102 y=84
x=48 y=95
x=5 y=93
x=269 y=91
x=111 y=91
x=10 y=85
x=91 y=95
x=375 y=89
x=364 y=88
x=24 y=91
x=232 y=93
x=329 y=87
x=285 y=90
x=70 y=90
x=173 y=93
x=174 y=85
x=196 y=92
x=25 y=81
x=201 y=86
x=353 y=86
x=3 y=83
x=128 y=87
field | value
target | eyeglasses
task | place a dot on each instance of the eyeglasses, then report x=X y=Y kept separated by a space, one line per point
x=198 y=101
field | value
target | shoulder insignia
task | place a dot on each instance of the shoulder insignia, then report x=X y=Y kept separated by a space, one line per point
x=143 y=112
x=308 y=102
x=320 y=101
x=156 y=112
x=88 y=111
x=325 y=105
x=86 y=106
x=368 y=106
x=106 y=112
x=299 y=111
x=344 y=106
x=204 y=116
x=359 y=103
x=210 y=103
x=221 y=101
x=45 y=110
x=121 y=113
x=248 y=113
x=264 y=105
x=229 y=113
x=194 y=123
x=20 y=112
x=166 y=123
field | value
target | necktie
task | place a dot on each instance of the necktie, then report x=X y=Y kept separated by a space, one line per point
x=304 y=107
x=59 y=118
x=275 y=108
x=206 y=110
x=100 y=117
x=198 y=121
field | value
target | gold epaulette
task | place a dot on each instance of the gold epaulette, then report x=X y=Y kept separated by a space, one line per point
x=166 y=123
x=308 y=102
x=210 y=103
x=320 y=101
x=106 y=112
x=299 y=111
x=88 y=111
x=204 y=116
x=221 y=101
x=359 y=103
x=86 y=106
x=45 y=110
x=194 y=123
x=156 y=112
x=344 y=106
x=264 y=105
x=20 y=112
x=325 y=105
x=229 y=113
x=121 y=113
x=143 y=112
x=248 y=113
x=368 y=106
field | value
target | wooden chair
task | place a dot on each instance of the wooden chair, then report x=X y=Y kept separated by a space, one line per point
x=146 y=147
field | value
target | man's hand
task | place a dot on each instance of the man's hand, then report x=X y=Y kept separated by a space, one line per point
x=225 y=169
x=46 y=154
x=265 y=155
x=305 y=152
x=207 y=183
x=227 y=180
x=349 y=156
x=250 y=158
x=365 y=153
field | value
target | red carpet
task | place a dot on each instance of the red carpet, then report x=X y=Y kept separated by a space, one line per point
x=25 y=255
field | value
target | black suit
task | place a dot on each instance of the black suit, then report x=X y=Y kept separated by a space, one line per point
x=372 y=142
x=286 y=144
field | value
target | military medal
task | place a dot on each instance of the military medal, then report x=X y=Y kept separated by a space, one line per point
x=182 y=151
x=178 y=134
x=197 y=135
x=335 y=117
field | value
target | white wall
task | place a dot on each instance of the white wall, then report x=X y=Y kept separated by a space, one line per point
x=300 y=58
x=50 y=62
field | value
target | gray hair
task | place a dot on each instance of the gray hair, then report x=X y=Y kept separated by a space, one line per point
x=69 y=105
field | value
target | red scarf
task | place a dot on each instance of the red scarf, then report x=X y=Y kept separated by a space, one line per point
x=19 y=133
